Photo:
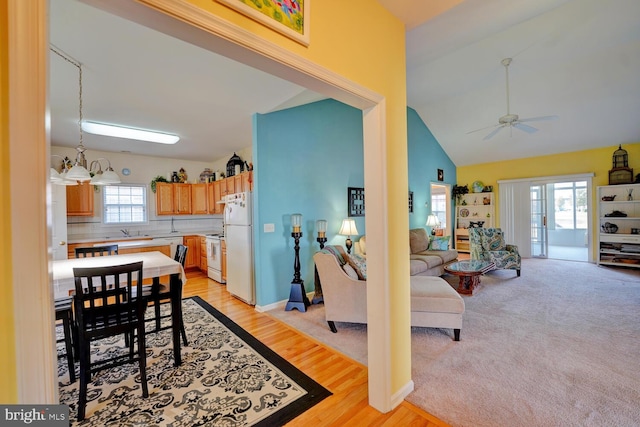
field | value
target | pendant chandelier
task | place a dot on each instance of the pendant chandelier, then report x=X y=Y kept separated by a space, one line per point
x=79 y=172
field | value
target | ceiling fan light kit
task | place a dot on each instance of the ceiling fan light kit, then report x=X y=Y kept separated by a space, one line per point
x=512 y=120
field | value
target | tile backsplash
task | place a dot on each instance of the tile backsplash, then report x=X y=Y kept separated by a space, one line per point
x=83 y=228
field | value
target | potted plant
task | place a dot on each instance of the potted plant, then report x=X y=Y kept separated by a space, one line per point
x=458 y=191
x=158 y=178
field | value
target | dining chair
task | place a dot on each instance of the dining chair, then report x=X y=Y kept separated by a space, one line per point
x=65 y=313
x=103 y=310
x=96 y=251
x=160 y=293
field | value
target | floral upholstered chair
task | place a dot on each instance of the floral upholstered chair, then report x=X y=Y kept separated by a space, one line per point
x=487 y=244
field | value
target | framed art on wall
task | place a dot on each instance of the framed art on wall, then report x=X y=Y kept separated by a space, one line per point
x=355 y=201
x=290 y=18
x=440 y=175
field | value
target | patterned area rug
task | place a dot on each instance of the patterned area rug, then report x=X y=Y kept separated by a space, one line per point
x=227 y=377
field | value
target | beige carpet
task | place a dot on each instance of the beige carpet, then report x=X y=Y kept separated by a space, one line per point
x=559 y=346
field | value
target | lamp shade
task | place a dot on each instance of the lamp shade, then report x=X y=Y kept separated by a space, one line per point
x=432 y=221
x=296 y=222
x=78 y=173
x=348 y=228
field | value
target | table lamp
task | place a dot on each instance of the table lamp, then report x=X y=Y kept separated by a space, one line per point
x=348 y=229
x=432 y=221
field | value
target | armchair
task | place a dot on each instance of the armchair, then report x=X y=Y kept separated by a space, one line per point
x=488 y=244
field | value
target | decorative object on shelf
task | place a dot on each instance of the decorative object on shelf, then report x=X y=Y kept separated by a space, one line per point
x=630 y=194
x=355 y=201
x=433 y=222
x=348 y=229
x=486 y=200
x=610 y=228
x=635 y=231
x=608 y=198
x=321 y=226
x=158 y=178
x=488 y=189
x=205 y=175
x=464 y=212
x=477 y=186
x=440 y=175
x=476 y=224
x=458 y=191
x=248 y=166
x=616 y=214
x=297 y=296
x=620 y=173
x=234 y=161
x=174 y=177
x=78 y=171
x=182 y=175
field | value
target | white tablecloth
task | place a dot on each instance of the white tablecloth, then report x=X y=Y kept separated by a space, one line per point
x=154 y=264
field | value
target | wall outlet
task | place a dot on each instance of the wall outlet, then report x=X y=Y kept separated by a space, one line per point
x=269 y=228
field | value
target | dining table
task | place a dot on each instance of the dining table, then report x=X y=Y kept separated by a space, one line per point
x=154 y=265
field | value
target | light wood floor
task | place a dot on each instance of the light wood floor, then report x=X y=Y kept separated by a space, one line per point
x=344 y=377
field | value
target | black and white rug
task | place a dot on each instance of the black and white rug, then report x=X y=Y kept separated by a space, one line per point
x=227 y=378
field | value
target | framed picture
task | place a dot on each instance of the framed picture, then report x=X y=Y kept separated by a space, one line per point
x=290 y=18
x=355 y=201
x=410 y=201
x=440 y=175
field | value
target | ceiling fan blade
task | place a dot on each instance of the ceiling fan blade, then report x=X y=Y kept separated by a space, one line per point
x=539 y=119
x=485 y=128
x=493 y=133
x=526 y=128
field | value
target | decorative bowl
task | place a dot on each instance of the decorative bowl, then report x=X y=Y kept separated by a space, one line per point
x=608 y=227
x=608 y=198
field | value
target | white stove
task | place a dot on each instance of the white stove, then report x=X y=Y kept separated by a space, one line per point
x=214 y=257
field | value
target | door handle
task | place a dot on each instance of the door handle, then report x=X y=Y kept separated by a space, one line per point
x=544 y=220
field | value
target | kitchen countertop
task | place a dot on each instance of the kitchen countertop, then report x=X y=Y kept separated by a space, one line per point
x=126 y=241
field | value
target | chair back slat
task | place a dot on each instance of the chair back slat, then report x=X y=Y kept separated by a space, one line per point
x=96 y=251
x=104 y=299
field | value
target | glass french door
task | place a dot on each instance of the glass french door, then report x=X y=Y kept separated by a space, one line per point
x=539 y=232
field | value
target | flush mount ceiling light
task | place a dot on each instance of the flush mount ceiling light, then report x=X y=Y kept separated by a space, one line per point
x=129 y=133
x=78 y=172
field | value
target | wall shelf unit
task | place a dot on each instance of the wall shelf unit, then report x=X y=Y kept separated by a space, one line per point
x=619 y=225
x=473 y=209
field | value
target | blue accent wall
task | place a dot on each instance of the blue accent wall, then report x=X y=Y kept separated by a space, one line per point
x=305 y=158
x=425 y=158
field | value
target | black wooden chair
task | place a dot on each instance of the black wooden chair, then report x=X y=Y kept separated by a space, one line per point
x=103 y=310
x=160 y=293
x=65 y=313
x=97 y=251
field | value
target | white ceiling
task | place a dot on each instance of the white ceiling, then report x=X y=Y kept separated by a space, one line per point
x=577 y=59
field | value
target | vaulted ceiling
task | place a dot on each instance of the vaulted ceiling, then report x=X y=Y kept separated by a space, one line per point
x=578 y=60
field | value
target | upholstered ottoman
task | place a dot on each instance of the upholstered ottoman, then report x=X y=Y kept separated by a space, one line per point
x=435 y=304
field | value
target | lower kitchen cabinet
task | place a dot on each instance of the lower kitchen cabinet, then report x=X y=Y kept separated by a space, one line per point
x=203 y=254
x=193 y=251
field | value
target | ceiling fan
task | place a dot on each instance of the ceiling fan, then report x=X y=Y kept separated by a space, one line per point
x=512 y=120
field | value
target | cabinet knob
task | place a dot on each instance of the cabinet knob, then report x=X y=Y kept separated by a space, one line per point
x=62 y=243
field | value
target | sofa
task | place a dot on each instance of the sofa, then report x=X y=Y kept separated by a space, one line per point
x=428 y=254
x=434 y=303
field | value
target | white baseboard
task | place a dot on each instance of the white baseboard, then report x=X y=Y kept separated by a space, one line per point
x=399 y=396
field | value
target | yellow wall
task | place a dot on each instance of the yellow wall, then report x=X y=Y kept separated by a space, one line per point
x=8 y=392
x=598 y=160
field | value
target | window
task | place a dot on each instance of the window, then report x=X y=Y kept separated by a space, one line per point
x=125 y=204
x=439 y=207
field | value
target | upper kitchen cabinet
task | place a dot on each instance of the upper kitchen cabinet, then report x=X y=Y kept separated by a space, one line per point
x=80 y=200
x=199 y=198
x=173 y=199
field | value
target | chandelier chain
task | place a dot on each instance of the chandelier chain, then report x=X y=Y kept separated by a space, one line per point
x=72 y=61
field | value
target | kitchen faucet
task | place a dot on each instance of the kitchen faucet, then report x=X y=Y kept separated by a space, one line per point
x=125 y=231
x=173 y=229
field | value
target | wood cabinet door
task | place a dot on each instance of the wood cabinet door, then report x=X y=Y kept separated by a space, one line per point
x=182 y=199
x=193 y=251
x=199 y=197
x=164 y=198
x=203 y=254
x=238 y=183
x=247 y=181
x=231 y=185
x=80 y=200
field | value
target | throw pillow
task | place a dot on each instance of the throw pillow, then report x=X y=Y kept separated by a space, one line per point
x=350 y=271
x=439 y=243
x=359 y=264
x=418 y=240
x=337 y=252
x=363 y=245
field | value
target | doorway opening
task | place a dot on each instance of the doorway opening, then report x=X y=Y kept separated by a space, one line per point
x=441 y=207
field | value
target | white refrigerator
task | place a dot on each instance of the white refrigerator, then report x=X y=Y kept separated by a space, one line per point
x=238 y=234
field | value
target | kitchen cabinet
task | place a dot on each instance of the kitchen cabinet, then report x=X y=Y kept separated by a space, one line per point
x=247 y=181
x=173 y=198
x=203 y=254
x=223 y=249
x=214 y=196
x=193 y=251
x=619 y=225
x=238 y=183
x=199 y=196
x=472 y=210
x=80 y=199
x=231 y=185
